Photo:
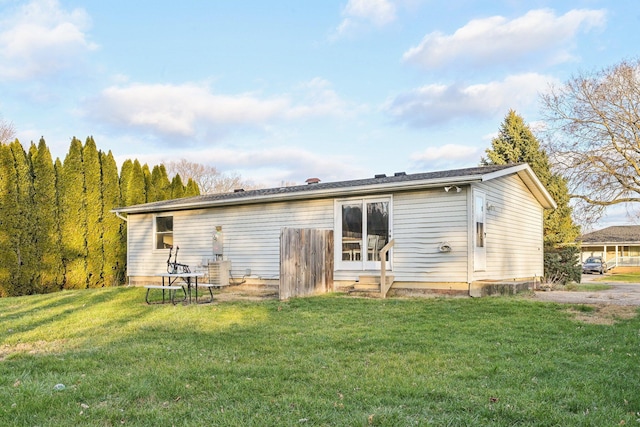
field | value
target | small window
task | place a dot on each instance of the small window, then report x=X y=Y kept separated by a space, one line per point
x=164 y=232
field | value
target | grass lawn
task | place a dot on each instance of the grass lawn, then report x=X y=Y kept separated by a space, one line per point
x=627 y=278
x=321 y=361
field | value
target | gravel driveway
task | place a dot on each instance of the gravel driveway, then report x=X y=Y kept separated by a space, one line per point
x=619 y=294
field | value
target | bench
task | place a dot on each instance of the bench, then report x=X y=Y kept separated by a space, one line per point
x=172 y=292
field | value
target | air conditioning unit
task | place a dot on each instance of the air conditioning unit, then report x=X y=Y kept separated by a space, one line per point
x=219 y=272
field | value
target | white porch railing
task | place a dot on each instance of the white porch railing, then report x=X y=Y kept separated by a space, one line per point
x=383 y=268
x=626 y=261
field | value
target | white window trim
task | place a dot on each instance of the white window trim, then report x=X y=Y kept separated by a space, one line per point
x=337 y=227
x=154 y=241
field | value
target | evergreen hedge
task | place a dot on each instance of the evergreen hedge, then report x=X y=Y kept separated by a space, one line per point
x=56 y=228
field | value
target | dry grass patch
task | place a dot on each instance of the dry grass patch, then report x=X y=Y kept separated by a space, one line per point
x=37 y=347
x=602 y=314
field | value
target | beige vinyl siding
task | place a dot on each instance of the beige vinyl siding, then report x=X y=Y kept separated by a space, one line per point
x=140 y=244
x=422 y=221
x=251 y=235
x=514 y=239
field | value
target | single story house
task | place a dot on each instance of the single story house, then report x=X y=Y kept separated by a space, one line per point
x=449 y=232
x=618 y=245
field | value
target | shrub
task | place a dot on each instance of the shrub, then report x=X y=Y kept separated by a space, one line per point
x=562 y=265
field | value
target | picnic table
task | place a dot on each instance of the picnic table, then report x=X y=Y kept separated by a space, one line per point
x=174 y=282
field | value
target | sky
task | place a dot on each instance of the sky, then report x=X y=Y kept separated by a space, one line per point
x=281 y=91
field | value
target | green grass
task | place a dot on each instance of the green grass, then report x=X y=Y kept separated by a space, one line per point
x=321 y=361
x=627 y=278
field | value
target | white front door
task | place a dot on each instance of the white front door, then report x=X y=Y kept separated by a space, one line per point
x=480 y=232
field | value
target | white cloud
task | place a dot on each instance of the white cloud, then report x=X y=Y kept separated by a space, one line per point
x=40 y=38
x=445 y=156
x=192 y=109
x=317 y=99
x=438 y=103
x=496 y=39
x=363 y=12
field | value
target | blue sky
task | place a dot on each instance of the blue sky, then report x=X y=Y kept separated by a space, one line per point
x=286 y=90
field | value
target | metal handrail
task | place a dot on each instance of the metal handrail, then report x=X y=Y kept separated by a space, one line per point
x=383 y=268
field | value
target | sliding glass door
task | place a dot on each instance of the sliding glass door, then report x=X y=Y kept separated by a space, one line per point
x=364 y=226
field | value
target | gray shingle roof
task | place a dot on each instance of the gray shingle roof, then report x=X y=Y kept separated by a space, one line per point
x=308 y=190
x=614 y=234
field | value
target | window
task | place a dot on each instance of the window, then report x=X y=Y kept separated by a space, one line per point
x=164 y=232
x=479 y=208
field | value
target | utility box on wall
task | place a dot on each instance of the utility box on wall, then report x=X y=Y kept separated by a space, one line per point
x=218 y=239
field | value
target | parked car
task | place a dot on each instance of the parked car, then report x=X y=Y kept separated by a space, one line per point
x=594 y=264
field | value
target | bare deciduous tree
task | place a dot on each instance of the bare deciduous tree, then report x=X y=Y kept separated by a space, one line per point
x=594 y=136
x=7 y=131
x=208 y=178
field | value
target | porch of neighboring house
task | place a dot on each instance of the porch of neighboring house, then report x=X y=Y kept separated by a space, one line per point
x=619 y=246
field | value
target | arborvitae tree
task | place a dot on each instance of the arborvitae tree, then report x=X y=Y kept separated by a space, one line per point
x=516 y=144
x=46 y=232
x=160 y=185
x=56 y=228
x=26 y=246
x=135 y=186
x=177 y=187
x=94 y=211
x=125 y=176
x=9 y=223
x=191 y=189
x=57 y=169
x=114 y=227
x=147 y=182
x=73 y=218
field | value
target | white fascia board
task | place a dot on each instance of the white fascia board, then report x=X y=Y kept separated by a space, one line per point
x=530 y=179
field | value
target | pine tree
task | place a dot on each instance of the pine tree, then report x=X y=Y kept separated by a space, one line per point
x=516 y=144
x=46 y=231
x=73 y=218
x=94 y=210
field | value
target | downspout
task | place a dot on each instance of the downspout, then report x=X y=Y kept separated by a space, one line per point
x=119 y=215
x=470 y=226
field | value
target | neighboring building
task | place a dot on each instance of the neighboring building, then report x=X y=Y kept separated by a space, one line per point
x=618 y=245
x=453 y=232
